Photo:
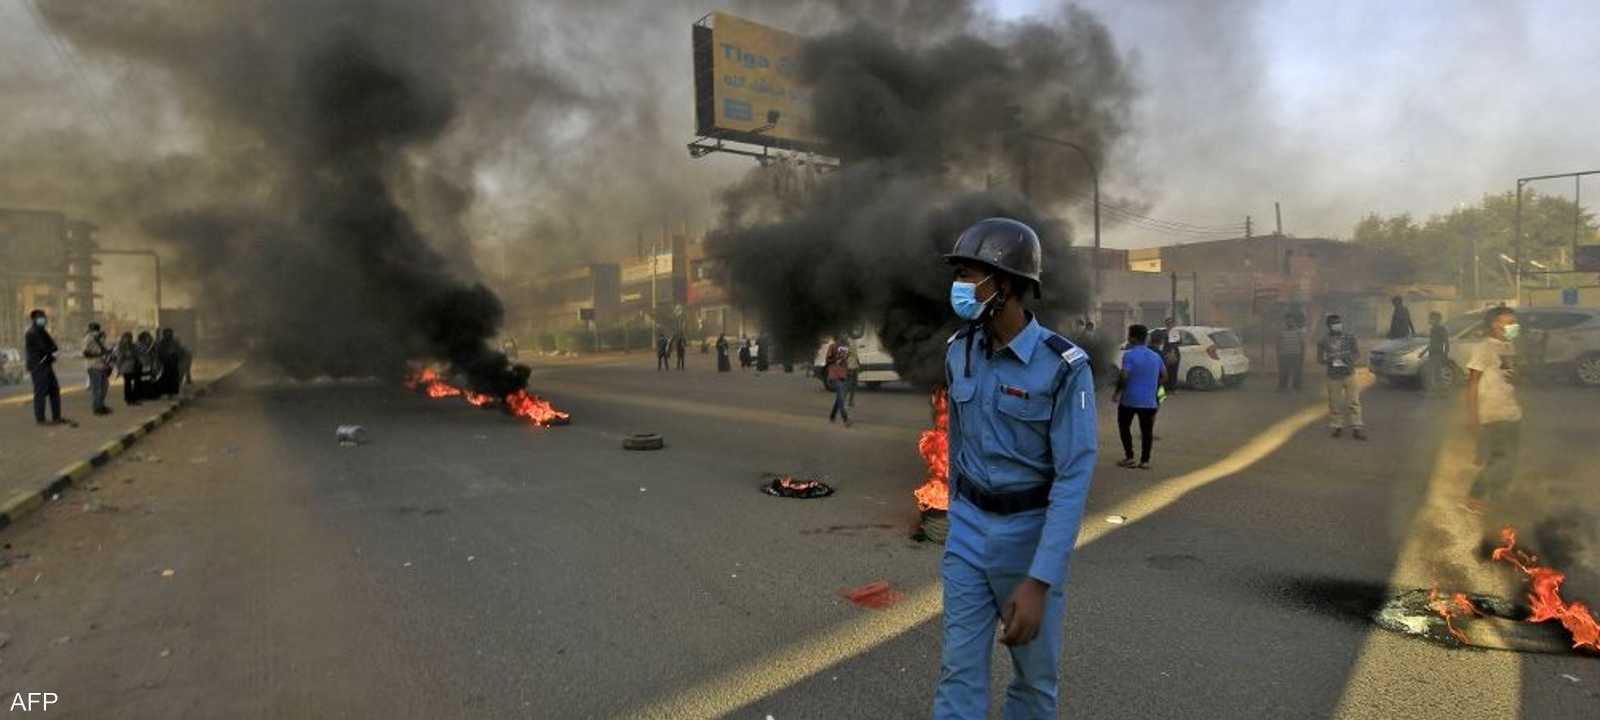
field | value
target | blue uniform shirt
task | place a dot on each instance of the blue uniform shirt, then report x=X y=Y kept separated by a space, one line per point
x=1025 y=415
x=1143 y=366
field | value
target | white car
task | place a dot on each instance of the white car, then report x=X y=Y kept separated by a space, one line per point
x=877 y=367
x=1210 y=357
x=1557 y=342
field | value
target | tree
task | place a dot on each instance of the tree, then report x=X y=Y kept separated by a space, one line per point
x=1441 y=250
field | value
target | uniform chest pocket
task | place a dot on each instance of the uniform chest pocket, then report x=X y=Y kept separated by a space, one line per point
x=1034 y=407
x=962 y=392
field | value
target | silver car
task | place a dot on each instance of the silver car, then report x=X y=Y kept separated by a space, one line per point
x=1556 y=343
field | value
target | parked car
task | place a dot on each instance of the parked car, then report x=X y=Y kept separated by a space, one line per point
x=877 y=367
x=1556 y=343
x=1208 y=357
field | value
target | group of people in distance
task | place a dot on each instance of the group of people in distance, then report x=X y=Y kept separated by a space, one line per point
x=151 y=366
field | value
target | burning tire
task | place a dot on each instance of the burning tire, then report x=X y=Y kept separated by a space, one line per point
x=643 y=441
x=935 y=526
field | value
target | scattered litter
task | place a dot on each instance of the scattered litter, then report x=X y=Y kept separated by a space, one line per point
x=1116 y=519
x=470 y=558
x=94 y=488
x=127 y=481
x=643 y=441
x=166 y=652
x=787 y=486
x=99 y=507
x=643 y=490
x=876 y=595
x=55 y=496
x=169 y=572
x=406 y=564
x=351 y=435
x=198 y=460
x=1568 y=678
x=64 y=639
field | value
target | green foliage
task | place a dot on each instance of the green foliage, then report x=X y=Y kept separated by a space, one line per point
x=1440 y=250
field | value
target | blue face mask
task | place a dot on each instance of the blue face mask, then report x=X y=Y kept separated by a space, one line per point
x=964 y=299
x=41 y=322
x=1512 y=331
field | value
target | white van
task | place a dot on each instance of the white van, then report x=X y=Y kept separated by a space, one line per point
x=877 y=367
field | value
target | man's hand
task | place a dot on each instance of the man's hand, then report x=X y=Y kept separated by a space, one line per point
x=1024 y=613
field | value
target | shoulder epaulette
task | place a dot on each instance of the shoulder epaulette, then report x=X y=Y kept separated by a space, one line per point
x=1070 y=354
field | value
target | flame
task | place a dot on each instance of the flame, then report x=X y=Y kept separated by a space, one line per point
x=542 y=413
x=1457 y=606
x=1544 y=594
x=934 y=447
x=519 y=403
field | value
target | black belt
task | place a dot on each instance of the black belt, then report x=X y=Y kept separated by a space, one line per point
x=1004 y=503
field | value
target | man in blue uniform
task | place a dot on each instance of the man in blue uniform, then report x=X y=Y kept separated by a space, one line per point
x=1022 y=450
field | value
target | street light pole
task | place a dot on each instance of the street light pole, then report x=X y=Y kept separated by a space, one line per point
x=1094 y=180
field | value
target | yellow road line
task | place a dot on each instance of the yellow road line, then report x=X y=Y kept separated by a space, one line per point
x=28 y=398
x=771 y=673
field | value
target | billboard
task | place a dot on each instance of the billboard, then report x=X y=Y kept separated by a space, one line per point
x=746 y=84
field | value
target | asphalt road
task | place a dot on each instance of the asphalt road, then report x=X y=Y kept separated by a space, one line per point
x=466 y=565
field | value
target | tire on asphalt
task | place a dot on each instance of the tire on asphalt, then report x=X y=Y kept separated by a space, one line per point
x=1201 y=379
x=1587 y=370
x=643 y=441
x=935 y=526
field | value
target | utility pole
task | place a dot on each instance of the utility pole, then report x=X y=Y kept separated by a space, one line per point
x=1577 y=216
x=1516 y=238
x=1278 y=211
x=1247 y=231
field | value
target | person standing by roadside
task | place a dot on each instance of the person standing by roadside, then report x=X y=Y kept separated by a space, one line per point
x=1493 y=413
x=1136 y=396
x=1400 y=326
x=763 y=352
x=1438 y=352
x=744 y=353
x=99 y=357
x=852 y=363
x=723 y=364
x=839 y=380
x=1291 y=352
x=662 y=346
x=126 y=359
x=149 y=366
x=41 y=365
x=680 y=344
x=1168 y=340
x=1338 y=353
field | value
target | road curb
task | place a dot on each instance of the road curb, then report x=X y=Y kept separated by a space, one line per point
x=20 y=505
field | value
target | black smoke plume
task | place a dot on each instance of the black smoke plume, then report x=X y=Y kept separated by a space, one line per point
x=925 y=130
x=320 y=257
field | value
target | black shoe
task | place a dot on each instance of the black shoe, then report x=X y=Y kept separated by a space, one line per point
x=1338 y=432
x=1359 y=435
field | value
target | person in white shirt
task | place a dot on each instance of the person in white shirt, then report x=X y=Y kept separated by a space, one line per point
x=1493 y=412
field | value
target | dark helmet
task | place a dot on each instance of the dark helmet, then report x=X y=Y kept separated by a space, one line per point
x=1003 y=244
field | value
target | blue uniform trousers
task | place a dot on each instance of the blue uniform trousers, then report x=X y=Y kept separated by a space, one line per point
x=986 y=557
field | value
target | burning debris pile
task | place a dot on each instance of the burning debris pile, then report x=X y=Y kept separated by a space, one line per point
x=518 y=403
x=790 y=487
x=934 y=447
x=1460 y=619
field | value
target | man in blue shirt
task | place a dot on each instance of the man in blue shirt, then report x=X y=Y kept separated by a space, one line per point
x=1143 y=371
x=1022 y=450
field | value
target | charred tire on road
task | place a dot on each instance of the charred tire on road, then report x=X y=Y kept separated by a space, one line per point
x=643 y=441
x=935 y=526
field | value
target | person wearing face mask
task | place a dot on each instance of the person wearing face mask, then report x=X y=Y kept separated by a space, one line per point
x=41 y=365
x=1023 y=442
x=1338 y=353
x=99 y=357
x=1493 y=412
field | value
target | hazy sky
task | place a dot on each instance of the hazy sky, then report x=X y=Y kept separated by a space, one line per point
x=1334 y=109
x=1339 y=109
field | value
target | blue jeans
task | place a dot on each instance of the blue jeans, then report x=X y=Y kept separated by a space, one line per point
x=840 y=389
x=99 y=382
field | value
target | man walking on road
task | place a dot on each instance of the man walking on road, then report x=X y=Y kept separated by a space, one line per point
x=1291 y=352
x=1167 y=341
x=1137 y=396
x=839 y=379
x=1438 y=352
x=41 y=365
x=1493 y=412
x=1400 y=326
x=681 y=345
x=99 y=357
x=1022 y=449
x=1338 y=353
x=661 y=352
